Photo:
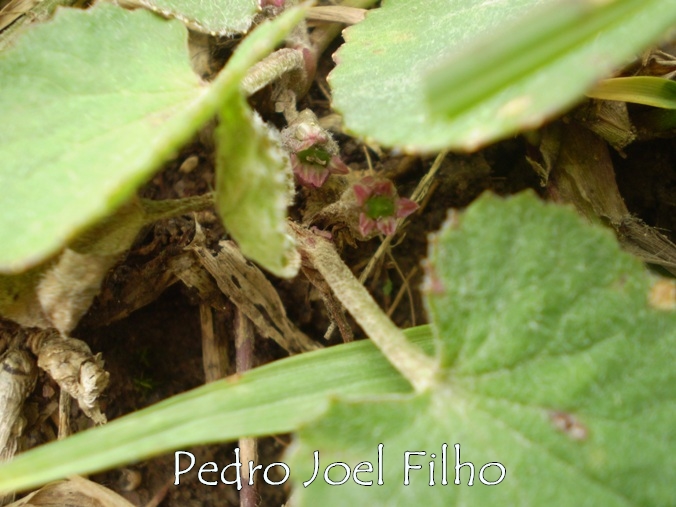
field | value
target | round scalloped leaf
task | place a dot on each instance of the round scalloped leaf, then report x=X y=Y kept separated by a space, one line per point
x=217 y=17
x=555 y=366
x=513 y=64
x=93 y=103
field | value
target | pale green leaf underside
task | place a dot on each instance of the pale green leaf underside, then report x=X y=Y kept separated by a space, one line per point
x=542 y=322
x=379 y=84
x=275 y=398
x=222 y=17
x=254 y=187
x=93 y=102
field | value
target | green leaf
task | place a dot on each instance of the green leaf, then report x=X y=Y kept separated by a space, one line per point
x=217 y=17
x=275 y=398
x=509 y=65
x=647 y=90
x=109 y=96
x=555 y=366
x=254 y=187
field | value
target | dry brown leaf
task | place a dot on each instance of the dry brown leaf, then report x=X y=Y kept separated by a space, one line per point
x=608 y=119
x=72 y=365
x=583 y=175
x=17 y=380
x=189 y=270
x=247 y=287
x=74 y=492
x=337 y=14
x=13 y=10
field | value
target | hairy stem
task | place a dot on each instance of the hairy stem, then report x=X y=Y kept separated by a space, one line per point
x=272 y=68
x=416 y=366
x=287 y=60
x=167 y=208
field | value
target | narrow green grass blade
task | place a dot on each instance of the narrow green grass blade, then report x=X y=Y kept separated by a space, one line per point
x=525 y=48
x=276 y=398
x=521 y=75
x=647 y=90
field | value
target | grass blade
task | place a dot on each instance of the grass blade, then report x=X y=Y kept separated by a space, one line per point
x=275 y=398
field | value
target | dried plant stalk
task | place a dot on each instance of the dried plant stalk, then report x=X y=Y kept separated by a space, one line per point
x=17 y=380
x=74 y=492
x=252 y=293
x=72 y=365
x=582 y=173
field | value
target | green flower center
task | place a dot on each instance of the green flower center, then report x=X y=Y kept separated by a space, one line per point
x=314 y=155
x=379 y=206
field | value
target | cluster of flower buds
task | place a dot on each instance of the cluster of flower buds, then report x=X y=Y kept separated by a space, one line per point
x=380 y=206
x=314 y=156
x=313 y=152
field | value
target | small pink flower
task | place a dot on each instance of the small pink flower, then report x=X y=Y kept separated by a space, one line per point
x=313 y=165
x=380 y=205
x=272 y=3
x=313 y=152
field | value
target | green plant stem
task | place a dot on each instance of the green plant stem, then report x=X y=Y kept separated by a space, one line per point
x=286 y=60
x=417 y=367
x=251 y=49
x=272 y=68
x=418 y=195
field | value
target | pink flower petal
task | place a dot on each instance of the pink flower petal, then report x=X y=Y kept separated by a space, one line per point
x=366 y=224
x=309 y=174
x=405 y=207
x=310 y=135
x=387 y=225
x=384 y=187
x=318 y=178
x=302 y=145
x=337 y=166
x=361 y=193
